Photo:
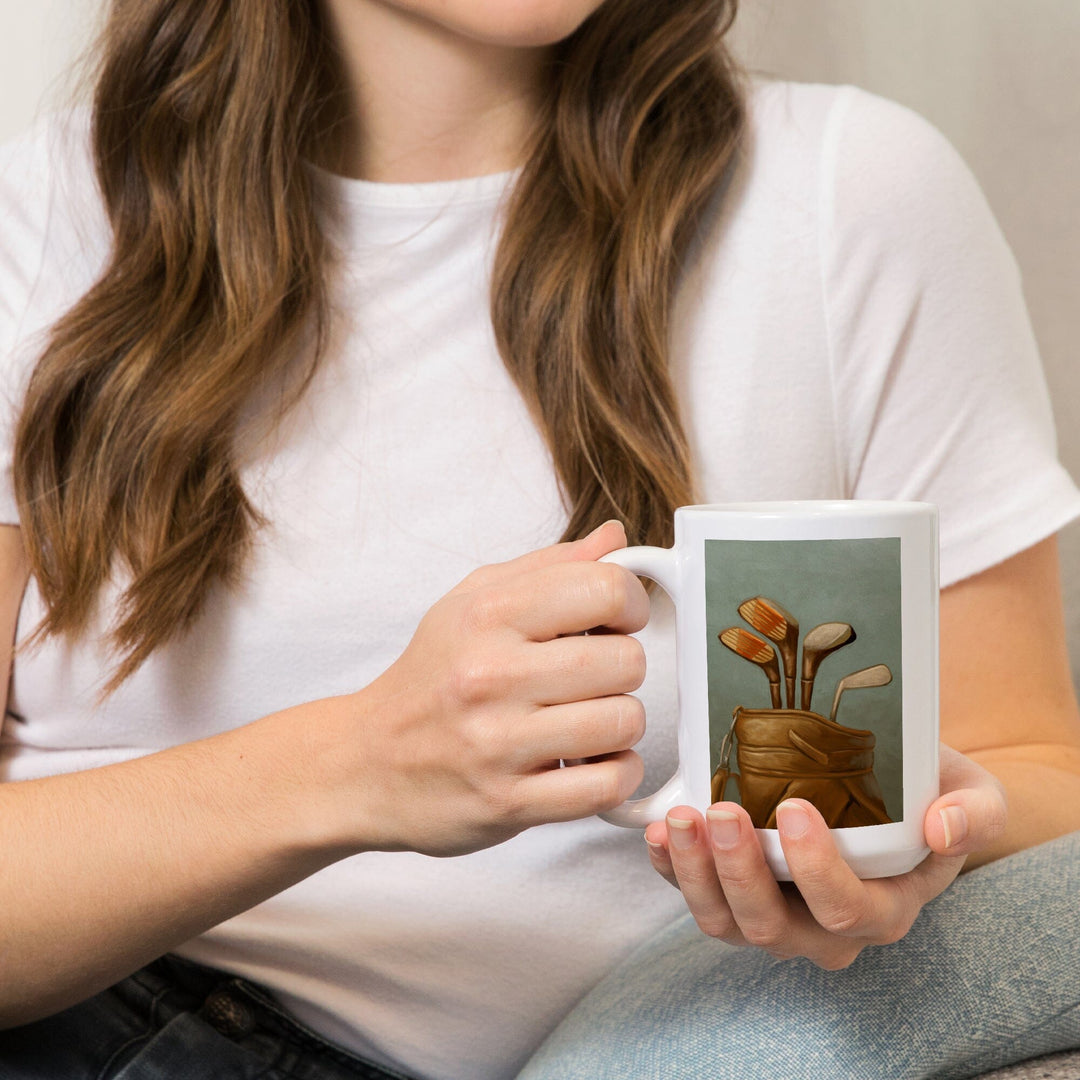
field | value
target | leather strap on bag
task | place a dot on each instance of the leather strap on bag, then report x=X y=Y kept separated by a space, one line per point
x=723 y=771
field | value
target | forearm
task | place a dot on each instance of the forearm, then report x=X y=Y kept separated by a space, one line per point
x=104 y=870
x=1042 y=784
x=449 y=751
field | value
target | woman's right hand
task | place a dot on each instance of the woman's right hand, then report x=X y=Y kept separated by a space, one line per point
x=457 y=746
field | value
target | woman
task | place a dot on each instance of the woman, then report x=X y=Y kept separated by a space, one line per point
x=285 y=496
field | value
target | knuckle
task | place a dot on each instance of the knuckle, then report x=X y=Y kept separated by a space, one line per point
x=503 y=803
x=631 y=662
x=630 y=720
x=475 y=679
x=766 y=935
x=638 y=606
x=844 y=921
x=486 y=741
x=716 y=925
x=816 y=875
x=739 y=880
x=608 y=591
x=607 y=791
x=485 y=609
x=895 y=930
x=616 y=781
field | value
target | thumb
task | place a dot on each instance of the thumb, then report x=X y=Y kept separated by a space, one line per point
x=604 y=538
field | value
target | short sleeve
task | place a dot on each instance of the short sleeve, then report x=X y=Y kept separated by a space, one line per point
x=939 y=390
x=52 y=241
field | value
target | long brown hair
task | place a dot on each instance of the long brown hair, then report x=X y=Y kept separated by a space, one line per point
x=204 y=114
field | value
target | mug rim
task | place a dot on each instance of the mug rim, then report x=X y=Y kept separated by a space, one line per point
x=810 y=508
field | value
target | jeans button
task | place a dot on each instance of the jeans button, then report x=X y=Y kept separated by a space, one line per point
x=227 y=1015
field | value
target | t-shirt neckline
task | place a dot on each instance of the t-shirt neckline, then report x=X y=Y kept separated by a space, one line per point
x=430 y=194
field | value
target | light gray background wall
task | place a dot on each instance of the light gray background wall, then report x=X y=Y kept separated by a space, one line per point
x=997 y=76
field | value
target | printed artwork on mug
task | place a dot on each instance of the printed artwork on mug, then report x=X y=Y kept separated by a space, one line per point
x=805 y=682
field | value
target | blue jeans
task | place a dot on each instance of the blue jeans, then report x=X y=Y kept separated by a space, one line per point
x=175 y=1020
x=990 y=974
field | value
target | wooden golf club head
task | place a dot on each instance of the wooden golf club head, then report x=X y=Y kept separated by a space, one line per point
x=878 y=675
x=820 y=642
x=744 y=644
x=778 y=624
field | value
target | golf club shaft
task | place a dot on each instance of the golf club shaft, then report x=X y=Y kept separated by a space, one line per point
x=788 y=656
x=836 y=704
x=840 y=688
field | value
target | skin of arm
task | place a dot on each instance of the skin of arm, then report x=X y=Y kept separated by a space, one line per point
x=1007 y=697
x=454 y=748
x=122 y=862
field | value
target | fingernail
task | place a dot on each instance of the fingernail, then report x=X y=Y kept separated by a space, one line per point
x=723 y=828
x=955 y=823
x=681 y=833
x=656 y=849
x=792 y=820
x=610 y=521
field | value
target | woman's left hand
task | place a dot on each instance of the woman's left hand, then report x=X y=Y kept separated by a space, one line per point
x=826 y=913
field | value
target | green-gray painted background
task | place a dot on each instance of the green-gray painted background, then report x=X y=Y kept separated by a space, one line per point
x=818 y=581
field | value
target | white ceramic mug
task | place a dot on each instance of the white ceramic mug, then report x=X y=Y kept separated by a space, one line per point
x=815 y=625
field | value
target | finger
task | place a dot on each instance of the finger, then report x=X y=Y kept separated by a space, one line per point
x=572 y=597
x=602 y=540
x=656 y=844
x=840 y=903
x=757 y=905
x=579 y=791
x=576 y=668
x=965 y=821
x=692 y=862
x=555 y=601
x=971 y=813
x=550 y=673
x=955 y=826
x=584 y=729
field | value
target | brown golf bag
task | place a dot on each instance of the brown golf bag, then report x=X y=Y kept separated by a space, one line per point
x=795 y=753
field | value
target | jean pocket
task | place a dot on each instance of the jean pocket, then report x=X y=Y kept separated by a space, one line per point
x=188 y=1047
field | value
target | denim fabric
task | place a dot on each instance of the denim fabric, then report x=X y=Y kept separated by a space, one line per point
x=175 y=1020
x=989 y=975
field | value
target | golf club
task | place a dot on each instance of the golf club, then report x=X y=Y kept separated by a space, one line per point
x=819 y=643
x=878 y=675
x=744 y=644
x=776 y=623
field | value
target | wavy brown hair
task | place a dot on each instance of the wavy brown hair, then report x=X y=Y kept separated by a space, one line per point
x=204 y=114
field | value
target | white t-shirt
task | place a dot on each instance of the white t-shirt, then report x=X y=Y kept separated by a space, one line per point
x=851 y=326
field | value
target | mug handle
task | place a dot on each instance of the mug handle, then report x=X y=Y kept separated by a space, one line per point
x=662 y=566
